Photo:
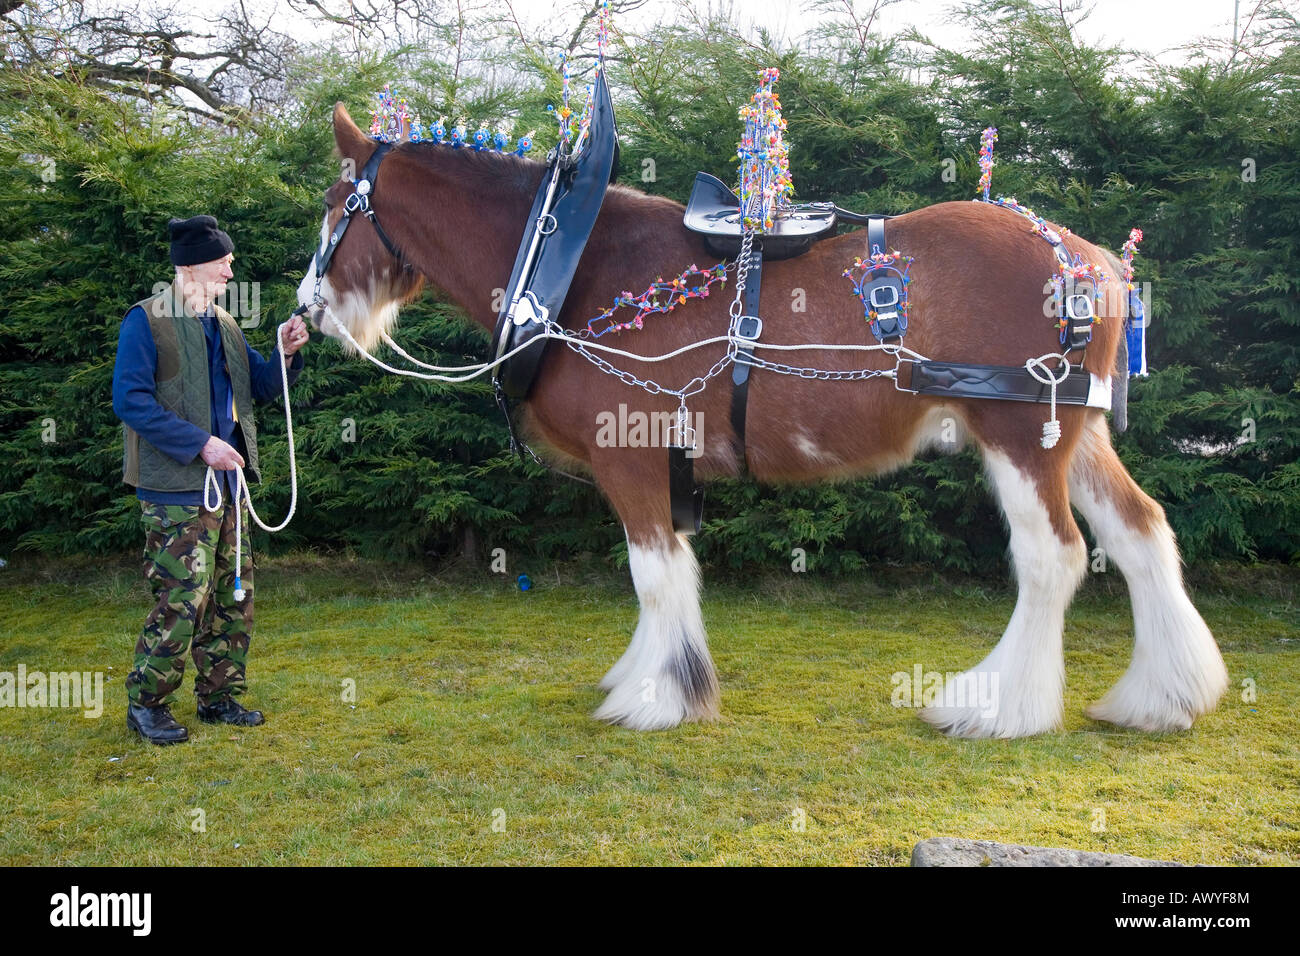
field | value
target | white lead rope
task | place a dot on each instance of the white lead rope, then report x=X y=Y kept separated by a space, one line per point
x=212 y=483
x=474 y=371
x=1036 y=367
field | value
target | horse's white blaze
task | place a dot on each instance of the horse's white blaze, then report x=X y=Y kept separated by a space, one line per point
x=307 y=287
x=366 y=315
x=666 y=675
x=362 y=313
x=1027 y=667
x=1177 y=672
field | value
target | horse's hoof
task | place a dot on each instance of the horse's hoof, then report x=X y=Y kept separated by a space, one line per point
x=1154 y=717
x=638 y=715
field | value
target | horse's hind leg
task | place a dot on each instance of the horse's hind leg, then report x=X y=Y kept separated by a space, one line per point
x=1018 y=689
x=1176 y=673
x=666 y=675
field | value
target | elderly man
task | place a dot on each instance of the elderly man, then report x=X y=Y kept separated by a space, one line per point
x=184 y=386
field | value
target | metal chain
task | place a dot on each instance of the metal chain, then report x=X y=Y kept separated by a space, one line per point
x=851 y=375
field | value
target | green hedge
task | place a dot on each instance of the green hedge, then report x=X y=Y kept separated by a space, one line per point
x=1202 y=157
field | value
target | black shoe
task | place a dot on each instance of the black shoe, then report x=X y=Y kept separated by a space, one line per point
x=155 y=724
x=226 y=711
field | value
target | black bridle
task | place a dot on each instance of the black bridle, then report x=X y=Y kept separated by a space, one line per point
x=359 y=201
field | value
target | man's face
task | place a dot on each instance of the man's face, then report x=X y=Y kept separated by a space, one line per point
x=212 y=276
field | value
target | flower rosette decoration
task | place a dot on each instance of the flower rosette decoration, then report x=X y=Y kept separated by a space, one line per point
x=764 y=154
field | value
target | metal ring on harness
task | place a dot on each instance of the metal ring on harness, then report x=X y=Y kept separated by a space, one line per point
x=542 y=219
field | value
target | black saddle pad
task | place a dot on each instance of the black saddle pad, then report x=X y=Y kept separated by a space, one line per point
x=713 y=211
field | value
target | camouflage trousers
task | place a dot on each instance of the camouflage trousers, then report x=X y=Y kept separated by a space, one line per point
x=189 y=562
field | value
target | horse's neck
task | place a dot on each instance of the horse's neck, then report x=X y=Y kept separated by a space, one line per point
x=464 y=227
x=640 y=238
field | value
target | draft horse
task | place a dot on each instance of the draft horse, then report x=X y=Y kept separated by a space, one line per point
x=454 y=217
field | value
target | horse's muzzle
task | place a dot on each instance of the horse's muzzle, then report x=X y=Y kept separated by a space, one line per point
x=314 y=312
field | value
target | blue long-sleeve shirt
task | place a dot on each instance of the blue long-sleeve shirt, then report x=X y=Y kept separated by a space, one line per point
x=135 y=402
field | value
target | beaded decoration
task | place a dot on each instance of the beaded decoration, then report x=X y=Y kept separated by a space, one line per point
x=660 y=297
x=572 y=141
x=987 y=139
x=894 y=262
x=1070 y=275
x=391 y=122
x=765 y=184
x=1128 y=250
x=1039 y=224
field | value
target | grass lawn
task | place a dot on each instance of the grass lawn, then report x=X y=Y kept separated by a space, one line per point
x=472 y=709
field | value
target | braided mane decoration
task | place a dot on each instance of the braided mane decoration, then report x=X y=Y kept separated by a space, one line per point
x=391 y=122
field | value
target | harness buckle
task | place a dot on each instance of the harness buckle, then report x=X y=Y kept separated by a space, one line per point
x=884 y=296
x=1079 y=307
x=898 y=364
x=748 y=327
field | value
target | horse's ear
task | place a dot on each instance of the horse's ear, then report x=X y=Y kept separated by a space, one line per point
x=351 y=141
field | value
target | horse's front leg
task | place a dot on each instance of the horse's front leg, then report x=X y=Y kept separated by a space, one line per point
x=1019 y=688
x=666 y=675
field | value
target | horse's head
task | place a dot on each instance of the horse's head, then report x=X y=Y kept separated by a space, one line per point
x=365 y=283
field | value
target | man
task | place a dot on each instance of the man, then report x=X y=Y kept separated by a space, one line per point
x=184 y=386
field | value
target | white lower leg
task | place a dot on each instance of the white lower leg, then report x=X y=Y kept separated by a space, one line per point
x=1025 y=672
x=666 y=675
x=1177 y=673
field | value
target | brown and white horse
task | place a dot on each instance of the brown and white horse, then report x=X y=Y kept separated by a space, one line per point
x=977 y=296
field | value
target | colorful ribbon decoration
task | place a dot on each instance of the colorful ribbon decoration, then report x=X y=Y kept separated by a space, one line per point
x=660 y=297
x=987 y=139
x=765 y=184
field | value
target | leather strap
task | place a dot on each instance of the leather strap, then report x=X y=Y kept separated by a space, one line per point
x=1006 y=382
x=875 y=236
x=544 y=269
x=685 y=498
x=751 y=327
x=359 y=201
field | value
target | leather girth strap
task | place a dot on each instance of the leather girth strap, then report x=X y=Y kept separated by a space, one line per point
x=1008 y=383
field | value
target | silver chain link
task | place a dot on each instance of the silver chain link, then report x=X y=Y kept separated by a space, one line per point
x=848 y=375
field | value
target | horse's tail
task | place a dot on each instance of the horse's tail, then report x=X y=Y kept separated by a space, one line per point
x=1119 y=374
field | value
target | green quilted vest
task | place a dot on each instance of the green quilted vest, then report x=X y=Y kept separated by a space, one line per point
x=182 y=386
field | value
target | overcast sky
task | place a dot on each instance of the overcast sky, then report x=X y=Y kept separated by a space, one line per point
x=1156 y=27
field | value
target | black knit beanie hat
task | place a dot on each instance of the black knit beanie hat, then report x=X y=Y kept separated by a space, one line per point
x=197 y=240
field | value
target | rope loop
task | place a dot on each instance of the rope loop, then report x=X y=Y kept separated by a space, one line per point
x=1038 y=370
x=213 y=484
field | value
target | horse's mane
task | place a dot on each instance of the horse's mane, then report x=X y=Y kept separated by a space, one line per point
x=497 y=170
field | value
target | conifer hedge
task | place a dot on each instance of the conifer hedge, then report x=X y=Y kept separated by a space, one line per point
x=1203 y=157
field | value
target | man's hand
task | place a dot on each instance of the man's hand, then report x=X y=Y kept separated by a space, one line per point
x=221 y=455
x=294 y=337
